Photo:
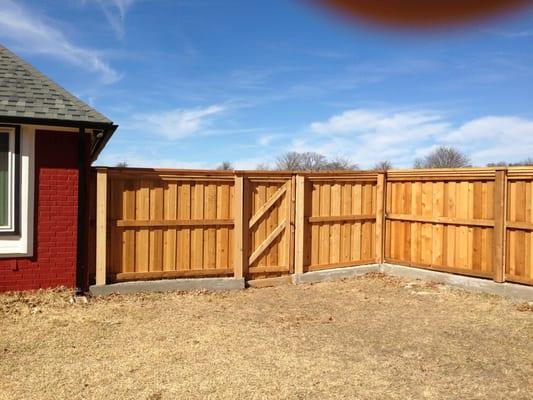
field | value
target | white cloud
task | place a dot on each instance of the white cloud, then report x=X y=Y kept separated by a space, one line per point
x=33 y=34
x=115 y=13
x=367 y=121
x=368 y=136
x=178 y=123
x=266 y=140
x=495 y=138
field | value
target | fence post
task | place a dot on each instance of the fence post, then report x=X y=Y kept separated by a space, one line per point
x=292 y=223
x=500 y=214
x=241 y=227
x=299 y=242
x=380 y=216
x=101 y=225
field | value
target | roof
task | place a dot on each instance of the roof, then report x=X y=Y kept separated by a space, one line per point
x=27 y=93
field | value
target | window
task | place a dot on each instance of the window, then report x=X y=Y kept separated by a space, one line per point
x=9 y=180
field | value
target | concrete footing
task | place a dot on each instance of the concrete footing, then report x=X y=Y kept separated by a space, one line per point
x=334 y=274
x=168 y=285
x=512 y=290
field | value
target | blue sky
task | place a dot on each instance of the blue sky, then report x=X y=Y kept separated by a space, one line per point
x=195 y=82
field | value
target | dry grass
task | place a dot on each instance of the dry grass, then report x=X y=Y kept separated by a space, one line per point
x=369 y=338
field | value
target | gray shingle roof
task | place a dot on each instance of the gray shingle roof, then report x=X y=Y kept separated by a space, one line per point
x=25 y=92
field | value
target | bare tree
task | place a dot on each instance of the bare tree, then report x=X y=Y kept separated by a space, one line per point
x=339 y=164
x=498 y=164
x=382 y=166
x=294 y=161
x=444 y=157
x=225 y=165
x=290 y=161
x=310 y=161
x=527 y=162
x=122 y=164
x=262 y=167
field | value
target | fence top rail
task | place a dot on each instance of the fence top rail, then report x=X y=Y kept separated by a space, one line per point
x=525 y=172
x=165 y=171
x=442 y=174
x=451 y=174
x=465 y=169
x=168 y=172
x=520 y=173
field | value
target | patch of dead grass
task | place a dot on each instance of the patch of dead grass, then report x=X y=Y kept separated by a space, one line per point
x=374 y=337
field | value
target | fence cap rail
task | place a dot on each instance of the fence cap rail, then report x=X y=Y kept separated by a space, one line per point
x=173 y=171
x=520 y=172
x=474 y=172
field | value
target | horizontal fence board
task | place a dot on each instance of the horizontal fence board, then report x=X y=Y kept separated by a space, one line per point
x=169 y=223
x=340 y=265
x=453 y=270
x=440 y=220
x=525 y=226
x=341 y=218
x=131 y=276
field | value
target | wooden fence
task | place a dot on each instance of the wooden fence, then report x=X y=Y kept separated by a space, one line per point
x=265 y=219
x=165 y=224
x=519 y=226
x=442 y=220
x=338 y=223
x=153 y=224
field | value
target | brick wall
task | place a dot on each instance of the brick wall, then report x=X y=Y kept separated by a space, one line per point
x=56 y=217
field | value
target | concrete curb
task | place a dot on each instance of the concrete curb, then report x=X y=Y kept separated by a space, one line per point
x=168 y=285
x=334 y=274
x=512 y=290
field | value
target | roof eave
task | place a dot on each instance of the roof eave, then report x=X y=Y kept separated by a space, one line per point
x=14 y=119
x=108 y=128
x=102 y=141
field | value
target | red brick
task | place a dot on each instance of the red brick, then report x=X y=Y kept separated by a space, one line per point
x=54 y=261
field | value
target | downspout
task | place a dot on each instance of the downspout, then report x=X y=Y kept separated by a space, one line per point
x=81 y=250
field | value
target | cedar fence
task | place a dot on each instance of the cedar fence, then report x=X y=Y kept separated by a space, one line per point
x=154 y=224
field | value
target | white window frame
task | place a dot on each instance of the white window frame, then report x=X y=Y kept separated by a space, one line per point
x=13 y=170
x=21 y=244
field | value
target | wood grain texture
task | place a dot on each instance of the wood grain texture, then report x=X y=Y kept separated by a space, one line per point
x=299 y=258
x=158 y=224
x=340 y=221
x=447 y=224
x=499 y=226
x=101 y=226
x=518 y=239
x=271 y=246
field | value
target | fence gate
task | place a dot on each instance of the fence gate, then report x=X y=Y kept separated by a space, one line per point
x=269 y=231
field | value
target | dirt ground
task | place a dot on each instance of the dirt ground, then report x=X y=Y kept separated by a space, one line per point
x=368 y=338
